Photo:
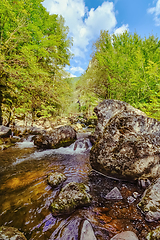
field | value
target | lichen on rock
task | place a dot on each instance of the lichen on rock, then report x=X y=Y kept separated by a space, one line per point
x=73 y=195
x=59 y=137
x=154 y=234
x=128 y=144
x=150 y=202
x=54 y=179
x=10 y=233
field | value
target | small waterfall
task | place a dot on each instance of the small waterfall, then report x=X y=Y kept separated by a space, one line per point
x=80 y=146
x=27 y=143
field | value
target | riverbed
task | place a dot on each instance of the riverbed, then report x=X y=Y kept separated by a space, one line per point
x=25 y=196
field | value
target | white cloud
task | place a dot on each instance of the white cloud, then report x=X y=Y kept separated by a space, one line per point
x=76 y=69
x=156 y=11
x=84 y=25
x=122 y=29
x=102 y=18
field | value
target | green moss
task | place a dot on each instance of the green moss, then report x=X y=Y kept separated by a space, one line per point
x=64 y=143
x=153 y=209
x=71 y=196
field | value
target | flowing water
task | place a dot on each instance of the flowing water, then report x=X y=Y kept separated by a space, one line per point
x=25 y=196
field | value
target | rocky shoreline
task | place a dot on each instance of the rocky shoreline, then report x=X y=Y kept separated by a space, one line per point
x=126 y=145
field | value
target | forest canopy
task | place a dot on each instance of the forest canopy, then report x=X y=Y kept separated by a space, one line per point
x=34 y=49
x=124 y=67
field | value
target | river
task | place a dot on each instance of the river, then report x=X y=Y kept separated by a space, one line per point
x=25 y=196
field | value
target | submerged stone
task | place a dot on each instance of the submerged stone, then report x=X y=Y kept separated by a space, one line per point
x=150 y=202
x=54 y=179
x=67 y=230
x=10 y=233
x=128 y=142
x=114 y=194
x=131 y=199
x=73 y=195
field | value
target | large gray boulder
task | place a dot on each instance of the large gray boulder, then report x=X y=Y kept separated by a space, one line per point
x=62 y=136
x=10 y=233
x=109 y=108
x=73 y=195
x=5 y=131
x=150 y=202
x=128 y=144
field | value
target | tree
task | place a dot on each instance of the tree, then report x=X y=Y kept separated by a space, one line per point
x=125 y=67
x=34 y=49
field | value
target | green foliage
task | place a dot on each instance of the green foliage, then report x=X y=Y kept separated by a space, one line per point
x=34 y=49
x=125 y=67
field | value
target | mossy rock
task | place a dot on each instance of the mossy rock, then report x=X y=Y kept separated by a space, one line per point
x=55 y=179
x=10 y=233
x=154 y=235
x=73 y=195
x=60 y=137
x=150 y=202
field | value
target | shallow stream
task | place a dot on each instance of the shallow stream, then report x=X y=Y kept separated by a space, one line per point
x=25 y=196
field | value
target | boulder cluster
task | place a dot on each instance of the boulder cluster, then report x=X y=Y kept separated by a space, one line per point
x=127 y=146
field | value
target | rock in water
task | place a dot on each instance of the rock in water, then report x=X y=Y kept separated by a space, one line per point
x=60 y=137
x=87 y=232
x=54 y=179
x=128 y=144
x=10 y=233
x=150 y=202
x=5 y=131
x=154 y=234
x=127 y=235
x=73 y=195
x=114 y=194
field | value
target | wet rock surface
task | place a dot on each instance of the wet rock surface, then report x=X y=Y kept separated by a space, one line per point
x=10 y=233
x=82 y=143
x=150 y=202
x=26 y=195
x=114 y=194
x=62 y=136
x=128 y=144
x=5 y=131
x=68 y=231
x=55 y=179
x=87 y=232
x=73 y=195
x=127 y=235
x=154 y=235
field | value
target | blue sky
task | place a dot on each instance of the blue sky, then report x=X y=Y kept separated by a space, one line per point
x=86 y=18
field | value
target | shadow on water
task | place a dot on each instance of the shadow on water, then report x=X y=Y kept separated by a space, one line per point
x=25 y=196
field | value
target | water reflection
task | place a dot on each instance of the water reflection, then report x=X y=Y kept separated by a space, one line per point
x=25 y=196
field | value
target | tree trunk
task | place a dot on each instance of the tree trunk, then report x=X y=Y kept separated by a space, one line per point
x=1 y=97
